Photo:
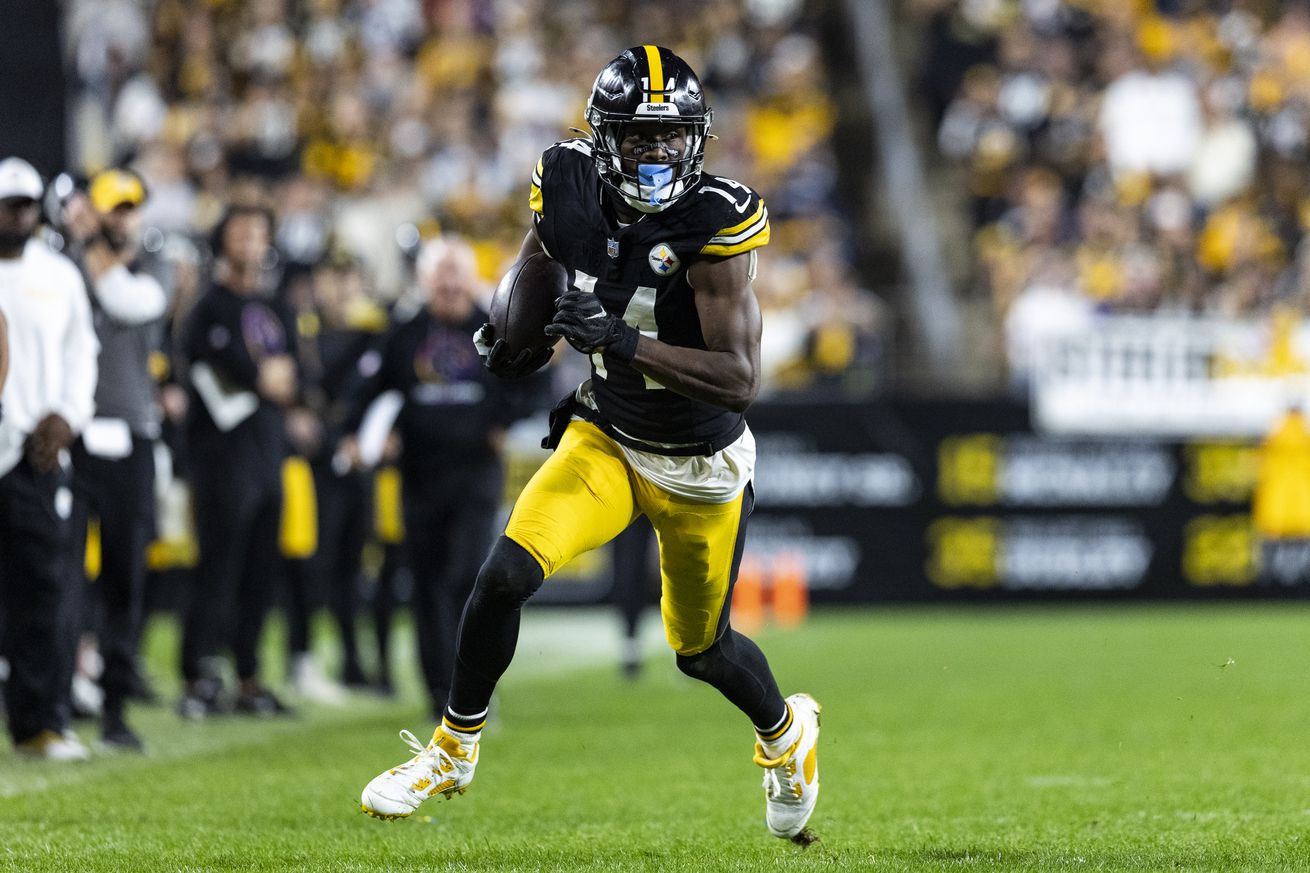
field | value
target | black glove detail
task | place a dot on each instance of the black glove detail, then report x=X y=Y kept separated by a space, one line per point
x=580 y=319
x=506 y=365
x=496 y=356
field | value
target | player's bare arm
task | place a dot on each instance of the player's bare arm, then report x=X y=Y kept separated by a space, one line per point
x=727 y=372
x=531 y=245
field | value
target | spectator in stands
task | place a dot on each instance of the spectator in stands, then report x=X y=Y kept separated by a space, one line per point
x=48 y=399
x=1151 y=115
x=1191 y=198
x=239 y=345
x=363 y=116
x=113 y=460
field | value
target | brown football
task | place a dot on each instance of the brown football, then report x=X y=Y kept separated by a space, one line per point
x=524 y=302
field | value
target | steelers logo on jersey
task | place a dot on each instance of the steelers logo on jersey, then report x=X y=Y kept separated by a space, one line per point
x=663 y=261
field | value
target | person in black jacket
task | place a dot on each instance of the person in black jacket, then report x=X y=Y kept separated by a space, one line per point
x=451 y=427
x=239 y=345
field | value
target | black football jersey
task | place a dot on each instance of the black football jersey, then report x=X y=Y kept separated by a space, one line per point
x=639 y=272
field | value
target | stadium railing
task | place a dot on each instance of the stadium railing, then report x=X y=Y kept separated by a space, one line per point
x=1170 y=376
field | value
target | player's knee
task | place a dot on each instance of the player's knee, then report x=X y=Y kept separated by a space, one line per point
x=509 y=573
x=701 y=665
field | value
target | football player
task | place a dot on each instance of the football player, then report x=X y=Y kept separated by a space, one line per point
x=660 y=258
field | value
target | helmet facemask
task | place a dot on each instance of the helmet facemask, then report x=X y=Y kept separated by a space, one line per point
x=651 y=187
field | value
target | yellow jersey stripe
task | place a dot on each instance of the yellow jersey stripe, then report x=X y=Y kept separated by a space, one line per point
x=738 y=228
x=656 y=73
x=754 y=241
x=534 y=195
x=728 y=239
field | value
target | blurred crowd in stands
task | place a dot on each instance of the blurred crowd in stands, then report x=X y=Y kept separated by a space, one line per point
x=357 y=118
x=281 y=211
x=1135 y=157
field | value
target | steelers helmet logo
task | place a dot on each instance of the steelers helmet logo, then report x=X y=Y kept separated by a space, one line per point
x=663 y=261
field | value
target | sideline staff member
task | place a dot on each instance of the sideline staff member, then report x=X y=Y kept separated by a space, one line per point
x=238 y=345
x=451 y=428
x=113 y=462
x=48 y=399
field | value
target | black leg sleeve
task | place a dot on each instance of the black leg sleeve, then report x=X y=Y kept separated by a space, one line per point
x=473 y=528
x=489 y=630
x=738 y=669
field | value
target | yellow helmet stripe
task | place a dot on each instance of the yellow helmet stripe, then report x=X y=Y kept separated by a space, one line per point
x=656 y=73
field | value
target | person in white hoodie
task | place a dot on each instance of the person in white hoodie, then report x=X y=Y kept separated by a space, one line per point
x=47 y=400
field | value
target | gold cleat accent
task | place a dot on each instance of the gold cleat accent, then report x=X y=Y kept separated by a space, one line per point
x=382 y=815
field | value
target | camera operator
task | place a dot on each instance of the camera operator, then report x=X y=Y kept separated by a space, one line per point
x=47 y=400
x=113 y=461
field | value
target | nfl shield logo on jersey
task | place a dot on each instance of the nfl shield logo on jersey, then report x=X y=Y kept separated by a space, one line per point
x=663 y=261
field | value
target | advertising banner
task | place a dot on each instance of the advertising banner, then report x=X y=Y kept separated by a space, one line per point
x=937 y=500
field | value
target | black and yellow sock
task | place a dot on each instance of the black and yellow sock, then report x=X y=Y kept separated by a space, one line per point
x=464 y=724
x=776 y=732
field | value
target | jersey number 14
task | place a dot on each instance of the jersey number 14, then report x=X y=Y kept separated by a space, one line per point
x=639 y=313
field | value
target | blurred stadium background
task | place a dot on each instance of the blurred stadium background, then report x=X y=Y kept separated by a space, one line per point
x=1034 y=309
x=1036 y=290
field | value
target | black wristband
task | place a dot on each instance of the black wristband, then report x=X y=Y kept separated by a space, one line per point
x=626 y=346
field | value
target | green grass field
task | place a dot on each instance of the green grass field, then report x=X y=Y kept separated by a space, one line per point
x=1106 y=738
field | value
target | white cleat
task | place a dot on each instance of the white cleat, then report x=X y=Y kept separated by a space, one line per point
x=444 y=766
x=311 y=684
x=791 y=780
x=51 y=746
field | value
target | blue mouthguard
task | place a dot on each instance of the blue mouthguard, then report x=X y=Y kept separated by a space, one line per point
x=655 y=177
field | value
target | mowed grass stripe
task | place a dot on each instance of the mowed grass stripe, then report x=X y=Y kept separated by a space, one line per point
x=1116 y=738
